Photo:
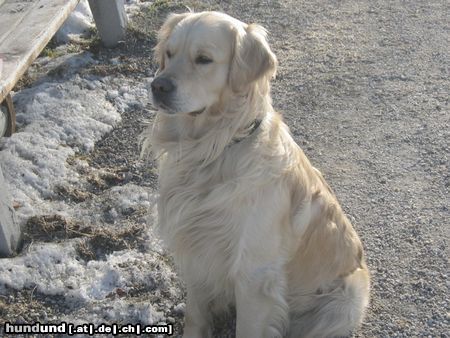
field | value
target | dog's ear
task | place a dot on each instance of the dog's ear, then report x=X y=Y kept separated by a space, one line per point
x=163 y=34
x=252 y=59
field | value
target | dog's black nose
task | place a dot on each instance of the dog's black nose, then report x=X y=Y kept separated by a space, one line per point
x=162 y=85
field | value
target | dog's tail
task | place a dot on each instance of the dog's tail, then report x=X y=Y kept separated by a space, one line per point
x=335 y=313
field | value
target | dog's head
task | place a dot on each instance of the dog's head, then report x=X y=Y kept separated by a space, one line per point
x=203 y=56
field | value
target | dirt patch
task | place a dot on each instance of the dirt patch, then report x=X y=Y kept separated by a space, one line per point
x=103 y=179
x=95 y=243
x=49 y=228
x=30 y=306
x=102 y=242
x=72 y=194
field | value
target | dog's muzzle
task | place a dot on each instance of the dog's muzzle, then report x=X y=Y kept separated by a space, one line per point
x=162 y=90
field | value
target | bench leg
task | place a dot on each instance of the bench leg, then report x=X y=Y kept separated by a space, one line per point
x=8 y=107
x=110 y=19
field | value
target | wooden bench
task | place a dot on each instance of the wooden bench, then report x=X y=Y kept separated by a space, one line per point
x=26 y=26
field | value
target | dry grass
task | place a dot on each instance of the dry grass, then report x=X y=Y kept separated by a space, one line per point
x=104 y=241
x=48 y=228
x=95 y=244
x=72 y=194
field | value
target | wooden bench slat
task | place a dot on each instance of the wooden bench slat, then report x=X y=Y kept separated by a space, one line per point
x=12 y=14
x=25 y=34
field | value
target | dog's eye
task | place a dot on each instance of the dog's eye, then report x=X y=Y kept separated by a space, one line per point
x=169 y=54
x=202 y=60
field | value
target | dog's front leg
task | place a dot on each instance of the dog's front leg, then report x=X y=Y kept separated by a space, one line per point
x=197 y=317
x=261 y=308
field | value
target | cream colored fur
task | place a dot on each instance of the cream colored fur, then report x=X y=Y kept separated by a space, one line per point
x=251 y=224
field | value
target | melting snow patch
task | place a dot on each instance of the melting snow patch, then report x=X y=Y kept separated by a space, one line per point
x=77 y=24
x=131 y=196
x=52 y=269
x=56 y=120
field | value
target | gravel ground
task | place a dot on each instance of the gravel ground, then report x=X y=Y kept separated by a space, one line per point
x=364 y=86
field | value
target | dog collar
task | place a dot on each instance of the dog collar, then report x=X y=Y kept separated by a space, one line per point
x=253 y=126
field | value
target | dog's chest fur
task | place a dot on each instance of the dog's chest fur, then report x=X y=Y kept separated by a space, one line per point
x=214 y=220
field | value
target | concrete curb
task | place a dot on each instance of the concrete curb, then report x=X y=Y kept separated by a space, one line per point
x=10 y=232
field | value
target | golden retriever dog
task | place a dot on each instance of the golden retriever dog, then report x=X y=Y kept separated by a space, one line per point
x=251 y=223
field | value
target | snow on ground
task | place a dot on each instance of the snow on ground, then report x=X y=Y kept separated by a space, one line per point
x=59 y=121
x=55 y=120
x=78 y=23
